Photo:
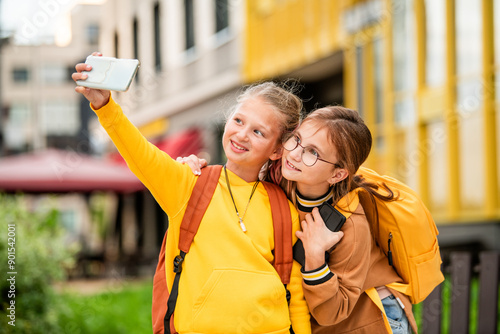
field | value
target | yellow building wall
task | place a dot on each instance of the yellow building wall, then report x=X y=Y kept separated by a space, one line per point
x=283 y=35
x=431 y=151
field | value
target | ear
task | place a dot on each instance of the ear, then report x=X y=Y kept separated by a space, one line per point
x=277 y=153
x=339 y=174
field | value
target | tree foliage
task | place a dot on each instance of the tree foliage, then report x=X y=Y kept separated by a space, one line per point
x=41 y=257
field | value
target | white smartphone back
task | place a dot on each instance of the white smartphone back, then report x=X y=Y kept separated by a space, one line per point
x=109 y=73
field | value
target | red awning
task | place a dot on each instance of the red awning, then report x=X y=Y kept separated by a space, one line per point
x=180 y=144
x=64 y=171
x=67 y=171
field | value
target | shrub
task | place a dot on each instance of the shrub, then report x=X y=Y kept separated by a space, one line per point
x=40 y=256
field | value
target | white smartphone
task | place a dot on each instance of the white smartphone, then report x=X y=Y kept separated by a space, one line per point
x=109 y=73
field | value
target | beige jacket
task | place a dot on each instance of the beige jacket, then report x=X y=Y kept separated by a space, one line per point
x=338 y=302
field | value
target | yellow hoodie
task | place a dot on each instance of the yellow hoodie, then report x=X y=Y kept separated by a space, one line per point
x=228 y=283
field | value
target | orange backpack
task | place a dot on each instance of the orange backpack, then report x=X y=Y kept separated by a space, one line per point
x=162 y=310
x=407 y=234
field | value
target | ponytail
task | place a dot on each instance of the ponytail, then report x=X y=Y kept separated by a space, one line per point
x=371 y=188
x=372 y=191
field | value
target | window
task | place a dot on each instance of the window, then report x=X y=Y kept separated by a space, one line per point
x=18 y=129
x=469 y=55
x=468 y=27
x=404 y=47
x=359 y=79
x=378 y=60
x=53 y=74
x=20 y=75
x=59 y=118
x=135 y=41
x=19 y=114
x=189 y=23
x=117 y=45
x=435 y=24
x=469 y=45
x=93 y=34
x=496 y=34
x=157 y=36
x=221 y=15
x=69 y=222
x=70 y=69
x=135 y=32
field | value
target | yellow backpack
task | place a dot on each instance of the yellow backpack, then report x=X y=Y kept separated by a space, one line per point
x=407 y=234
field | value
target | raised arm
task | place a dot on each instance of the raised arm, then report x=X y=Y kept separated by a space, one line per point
x=170 y=182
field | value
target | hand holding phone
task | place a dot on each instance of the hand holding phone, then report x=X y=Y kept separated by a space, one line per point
x=109 y=73
x=333 y=219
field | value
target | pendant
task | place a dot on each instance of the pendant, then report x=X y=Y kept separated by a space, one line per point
x=243 y=228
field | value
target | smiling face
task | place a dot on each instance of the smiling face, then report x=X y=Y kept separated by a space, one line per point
x=251 y=137
x=313 y=180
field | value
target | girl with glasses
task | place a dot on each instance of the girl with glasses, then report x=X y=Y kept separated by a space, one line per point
x=320 y=162
x=228 y=284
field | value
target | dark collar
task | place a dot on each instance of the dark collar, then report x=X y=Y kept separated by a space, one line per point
x=307 y=204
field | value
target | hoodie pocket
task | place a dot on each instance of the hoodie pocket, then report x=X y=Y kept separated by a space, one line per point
x=239 y=301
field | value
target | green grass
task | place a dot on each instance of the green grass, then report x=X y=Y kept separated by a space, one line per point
x=128 y=310
x=446 y=307
x=123 y=310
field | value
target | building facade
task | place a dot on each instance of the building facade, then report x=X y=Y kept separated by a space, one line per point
x=424 y=75
x=191 y=59
x=40 y=108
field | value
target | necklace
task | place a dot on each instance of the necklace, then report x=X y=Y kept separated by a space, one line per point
x=240 y=218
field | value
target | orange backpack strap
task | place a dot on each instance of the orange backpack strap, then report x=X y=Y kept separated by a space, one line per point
x=195 y=210
x=197 y=205
x=282 y=222
x=160 y=293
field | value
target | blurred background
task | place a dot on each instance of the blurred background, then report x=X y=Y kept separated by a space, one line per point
x=424 y=74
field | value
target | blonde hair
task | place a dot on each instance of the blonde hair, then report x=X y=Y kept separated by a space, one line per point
x=283 y=99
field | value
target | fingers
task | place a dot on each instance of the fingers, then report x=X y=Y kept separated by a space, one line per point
x=82 y=90
x=309 y=218
x=195 y=167
x=203 y=163
x=303 y=225
x=82 y=67
x=195 y=163
x=335 y=239
x=337 y=236
x=316 y=215
x=79 y=76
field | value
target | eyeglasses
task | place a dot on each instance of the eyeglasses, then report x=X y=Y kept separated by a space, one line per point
x=309 y=155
